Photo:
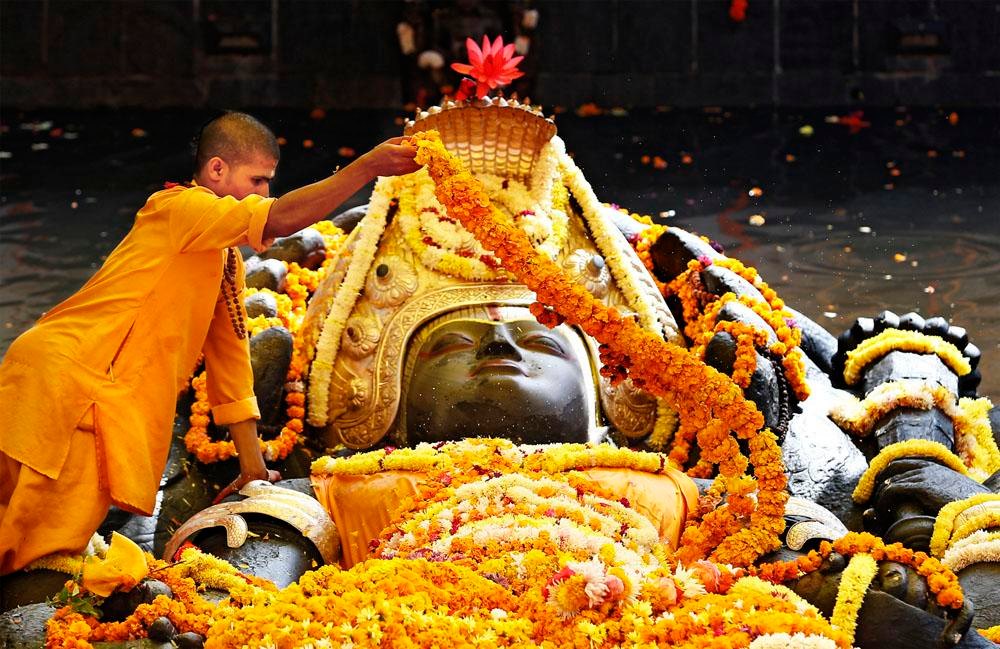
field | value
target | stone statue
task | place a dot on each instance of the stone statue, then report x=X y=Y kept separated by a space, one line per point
x=417 y=334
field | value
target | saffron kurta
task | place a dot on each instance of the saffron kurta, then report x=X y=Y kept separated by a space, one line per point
x=126 y=343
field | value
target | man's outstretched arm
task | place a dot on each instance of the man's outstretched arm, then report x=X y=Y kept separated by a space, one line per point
x=304 y=206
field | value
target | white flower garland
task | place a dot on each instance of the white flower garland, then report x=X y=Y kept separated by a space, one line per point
x=321 y=370
x=982 y=546
x=794 y=641
x=421 y=216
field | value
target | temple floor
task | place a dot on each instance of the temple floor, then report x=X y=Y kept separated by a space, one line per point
x=843 y=219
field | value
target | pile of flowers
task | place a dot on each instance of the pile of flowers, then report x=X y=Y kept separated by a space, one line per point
x=505 y=546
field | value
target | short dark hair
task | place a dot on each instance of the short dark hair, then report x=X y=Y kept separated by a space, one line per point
x=234 y=137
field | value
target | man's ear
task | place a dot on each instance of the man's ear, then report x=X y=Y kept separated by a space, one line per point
x=216 y=168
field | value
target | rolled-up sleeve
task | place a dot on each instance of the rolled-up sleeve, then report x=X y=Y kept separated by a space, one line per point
x=227 y=363
x=203 y=221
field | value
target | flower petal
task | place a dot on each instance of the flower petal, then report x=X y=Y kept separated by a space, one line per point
x=475 y=54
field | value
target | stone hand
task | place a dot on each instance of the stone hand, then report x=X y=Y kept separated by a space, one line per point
x=923 y=482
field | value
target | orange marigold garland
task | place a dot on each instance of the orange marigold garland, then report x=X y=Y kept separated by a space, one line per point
x=941 y=581
x=702 y=395
x=300 y=283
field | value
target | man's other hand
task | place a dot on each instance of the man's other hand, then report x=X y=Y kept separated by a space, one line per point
x=233 y=487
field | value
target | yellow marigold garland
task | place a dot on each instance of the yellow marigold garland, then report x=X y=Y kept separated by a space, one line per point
x=854 y=583
x=974 y=441
x=945 y=523
x=909 y=448
x=889 y=340
x=992 y=634
x=700 y=393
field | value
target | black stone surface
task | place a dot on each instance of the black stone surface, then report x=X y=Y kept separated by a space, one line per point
x=306 y=248
x=270 y=354
x=265 y=273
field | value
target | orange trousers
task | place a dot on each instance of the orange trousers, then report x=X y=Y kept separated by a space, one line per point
x=39 y=515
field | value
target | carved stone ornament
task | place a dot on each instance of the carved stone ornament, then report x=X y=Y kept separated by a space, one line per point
x=819 y=523
x=298 y=510
x=590 y=271
x=390 y=281
x=631 y=411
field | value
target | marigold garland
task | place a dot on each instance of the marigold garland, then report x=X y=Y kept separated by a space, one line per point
x=947 y=519
x=701 y=311
x=890 y=340
x=992 y=634
x=701 y=394
x=974 y=441
x=909 y=448
x=300 y=283
x=854 y=583
x=941 y=581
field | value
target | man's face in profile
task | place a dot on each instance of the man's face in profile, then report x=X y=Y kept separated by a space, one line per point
x=251 y=175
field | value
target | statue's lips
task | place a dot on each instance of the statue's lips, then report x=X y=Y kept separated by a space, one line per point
x=498 y=366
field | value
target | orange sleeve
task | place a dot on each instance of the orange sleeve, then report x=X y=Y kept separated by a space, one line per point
x=227 y=363
x=203 y=221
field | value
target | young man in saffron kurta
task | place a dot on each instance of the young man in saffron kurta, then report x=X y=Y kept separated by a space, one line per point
x=87 y=395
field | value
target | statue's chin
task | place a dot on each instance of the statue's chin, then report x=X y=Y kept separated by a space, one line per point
x=522 y=417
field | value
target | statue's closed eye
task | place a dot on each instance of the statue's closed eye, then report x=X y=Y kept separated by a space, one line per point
x=544 y=343
x=451 y=342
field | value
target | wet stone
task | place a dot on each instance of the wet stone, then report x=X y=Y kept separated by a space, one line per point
x=908 y=423
x=348 y=219
x=29 y=587
x=189 y=640
x=263 y=304
x=674 y=249
x=739 y=312
x=24 y=627
x=275 y=550
x=720 y=353
x=265 y=273
x=270 y=354
x=979 y=583
x=719 y=280
x=823 y=464
x=817 y=343
x=306 y=248
x=896 y=366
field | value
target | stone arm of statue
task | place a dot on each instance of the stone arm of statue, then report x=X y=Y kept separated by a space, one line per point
x=924 y=482
x=302 y=207
x=252 y=467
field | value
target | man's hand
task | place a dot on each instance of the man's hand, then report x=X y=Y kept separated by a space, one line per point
x=306 y=205
x=394 y=157
x=233 y=487
x=252 y=467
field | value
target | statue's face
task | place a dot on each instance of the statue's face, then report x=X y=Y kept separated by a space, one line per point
x=516 y=379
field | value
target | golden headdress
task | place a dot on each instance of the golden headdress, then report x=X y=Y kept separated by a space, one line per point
x=407 y=262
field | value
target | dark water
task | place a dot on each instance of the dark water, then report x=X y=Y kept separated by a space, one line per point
x=903 y=214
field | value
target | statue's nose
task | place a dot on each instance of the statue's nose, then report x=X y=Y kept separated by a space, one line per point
x=496 y=342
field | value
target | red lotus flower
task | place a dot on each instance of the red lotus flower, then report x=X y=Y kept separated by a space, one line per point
x=492 y=66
